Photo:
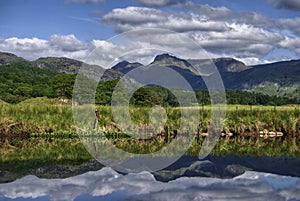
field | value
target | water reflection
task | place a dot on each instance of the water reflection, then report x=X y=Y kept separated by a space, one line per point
x=106 y=184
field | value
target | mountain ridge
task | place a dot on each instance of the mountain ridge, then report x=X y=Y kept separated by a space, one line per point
x=8 y=58
x=125 y=66
x=279 y=78
x=275 y=77
x=56 y=64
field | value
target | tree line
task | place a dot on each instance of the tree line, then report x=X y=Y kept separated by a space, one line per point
x=19 y=82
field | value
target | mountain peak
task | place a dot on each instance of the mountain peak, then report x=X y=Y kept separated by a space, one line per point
x=169 y=60
x=9 y=58
x=164 y=56
x=124 y=62
x=226 y=64
x=126 y=66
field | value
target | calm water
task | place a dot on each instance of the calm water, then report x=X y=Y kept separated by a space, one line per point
x=214 y=178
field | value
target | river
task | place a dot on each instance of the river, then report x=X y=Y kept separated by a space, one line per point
x=214 y=178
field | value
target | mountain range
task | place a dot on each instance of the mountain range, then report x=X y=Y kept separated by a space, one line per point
x=280 y=78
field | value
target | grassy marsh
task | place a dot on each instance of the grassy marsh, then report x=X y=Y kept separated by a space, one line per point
x=43 y=130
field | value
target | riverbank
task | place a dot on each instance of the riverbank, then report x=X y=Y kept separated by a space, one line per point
x=40 y=134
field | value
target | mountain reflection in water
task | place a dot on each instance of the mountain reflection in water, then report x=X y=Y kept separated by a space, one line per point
x=181 y=183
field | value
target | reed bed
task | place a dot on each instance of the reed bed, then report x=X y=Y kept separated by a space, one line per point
x=43 y=129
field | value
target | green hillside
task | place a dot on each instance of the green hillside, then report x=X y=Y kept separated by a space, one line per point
x=271 y=84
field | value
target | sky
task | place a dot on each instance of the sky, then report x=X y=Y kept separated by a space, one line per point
x=253 y=31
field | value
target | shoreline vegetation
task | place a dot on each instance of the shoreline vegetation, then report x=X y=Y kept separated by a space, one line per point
x=40 y=132
x=255 y=126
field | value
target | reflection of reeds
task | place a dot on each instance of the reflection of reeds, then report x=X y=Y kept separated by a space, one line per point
x=32 y=153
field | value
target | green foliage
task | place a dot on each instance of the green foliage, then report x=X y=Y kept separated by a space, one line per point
x=104 y=92
x=19 y=82
x=251 y=98
x=145 y=97
x=62 y=85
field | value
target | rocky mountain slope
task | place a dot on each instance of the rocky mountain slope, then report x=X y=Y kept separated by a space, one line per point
x=280 y=78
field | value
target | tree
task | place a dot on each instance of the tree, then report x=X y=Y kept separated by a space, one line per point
x=145 y=97
x=62 y=85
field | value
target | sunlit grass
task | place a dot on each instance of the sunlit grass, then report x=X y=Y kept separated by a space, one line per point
x=53 y=135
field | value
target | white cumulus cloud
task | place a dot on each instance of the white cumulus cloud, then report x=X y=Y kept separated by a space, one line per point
x=218 y=30
x=56 y=46
x=66 y=43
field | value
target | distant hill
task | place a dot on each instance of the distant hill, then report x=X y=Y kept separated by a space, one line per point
x=62 y=64
x=8 y=58
x=56 y=64
x=223 y=65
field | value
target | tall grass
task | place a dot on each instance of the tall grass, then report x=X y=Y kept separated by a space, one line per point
x=40 y=115
x=45 y=115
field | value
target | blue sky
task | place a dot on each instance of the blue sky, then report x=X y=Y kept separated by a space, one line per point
x=254 y=31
